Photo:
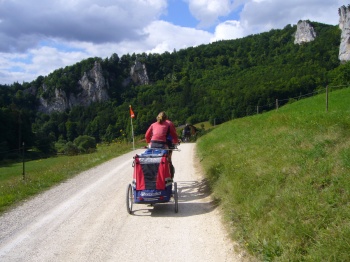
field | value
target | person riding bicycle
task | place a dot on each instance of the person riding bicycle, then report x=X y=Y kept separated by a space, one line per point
x=156 y=136
x=186 y=133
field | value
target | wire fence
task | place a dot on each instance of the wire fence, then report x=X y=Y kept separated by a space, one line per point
x=257 y=109
x=11 y=151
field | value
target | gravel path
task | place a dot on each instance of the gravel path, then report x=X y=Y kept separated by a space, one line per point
x=85 y=219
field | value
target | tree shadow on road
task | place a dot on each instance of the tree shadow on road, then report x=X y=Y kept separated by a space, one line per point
x=192 y=190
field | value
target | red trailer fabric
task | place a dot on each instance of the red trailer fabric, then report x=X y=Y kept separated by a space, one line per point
x=151 y=172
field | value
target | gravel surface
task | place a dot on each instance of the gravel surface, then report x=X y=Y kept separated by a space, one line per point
x=85 y=219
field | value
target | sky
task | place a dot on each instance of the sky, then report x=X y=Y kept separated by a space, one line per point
x=40 y=36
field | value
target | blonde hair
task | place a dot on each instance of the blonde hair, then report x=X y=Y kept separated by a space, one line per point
x=161 y=117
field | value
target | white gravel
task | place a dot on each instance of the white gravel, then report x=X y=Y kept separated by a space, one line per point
x=85 y=219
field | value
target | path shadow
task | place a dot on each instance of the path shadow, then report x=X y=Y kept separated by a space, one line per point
x=192 y=190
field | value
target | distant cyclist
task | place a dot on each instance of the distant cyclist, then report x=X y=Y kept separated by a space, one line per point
x=186 y=133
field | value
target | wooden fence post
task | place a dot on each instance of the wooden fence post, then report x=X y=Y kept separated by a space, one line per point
x=326 y=98
x=23 y=164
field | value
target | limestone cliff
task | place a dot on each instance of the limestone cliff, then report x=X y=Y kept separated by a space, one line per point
x=91 y=88
x=56 y=104
x=344 y=25
x=305 y=33
x=138 y=73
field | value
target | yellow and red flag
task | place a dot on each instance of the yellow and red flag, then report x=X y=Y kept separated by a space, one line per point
x=132 y=115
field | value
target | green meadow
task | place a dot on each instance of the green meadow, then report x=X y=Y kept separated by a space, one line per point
x=282 y=179
x=41 y=174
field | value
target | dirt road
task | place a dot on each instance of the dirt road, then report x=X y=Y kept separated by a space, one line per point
x=85 y=219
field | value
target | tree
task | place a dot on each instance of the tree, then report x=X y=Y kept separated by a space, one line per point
x=71 y=128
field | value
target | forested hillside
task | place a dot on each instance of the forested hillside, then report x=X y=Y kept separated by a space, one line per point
x=223 y=80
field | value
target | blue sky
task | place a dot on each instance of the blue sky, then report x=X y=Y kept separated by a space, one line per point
x=179 y=14
x=40 y=36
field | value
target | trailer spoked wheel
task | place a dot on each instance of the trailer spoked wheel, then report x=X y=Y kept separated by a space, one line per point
x=129 y=198
x=176 y=198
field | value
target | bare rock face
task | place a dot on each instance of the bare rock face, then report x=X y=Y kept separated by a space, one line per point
x=305 y=33
x=91 y=88
x=344 y=25
x=138 y=73
x=57 y=104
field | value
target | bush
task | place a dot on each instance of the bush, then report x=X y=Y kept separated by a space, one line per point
x=85 y=144
x=71 y=149
x=60 y=145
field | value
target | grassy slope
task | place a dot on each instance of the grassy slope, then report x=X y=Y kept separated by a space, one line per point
x=283 y=179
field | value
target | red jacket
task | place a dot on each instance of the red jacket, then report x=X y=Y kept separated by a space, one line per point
x=159 y=131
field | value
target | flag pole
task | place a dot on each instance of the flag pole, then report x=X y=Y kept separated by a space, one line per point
x=132 y=129
x=132 y=134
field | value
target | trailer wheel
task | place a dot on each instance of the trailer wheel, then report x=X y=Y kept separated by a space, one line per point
x=176 y=198
x=129 y=198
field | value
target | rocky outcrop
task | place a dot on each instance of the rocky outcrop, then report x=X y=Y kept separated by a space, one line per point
x=91 y=88
x=138 y=73
x=56 y=104
x=305 y=33
x=344 y=25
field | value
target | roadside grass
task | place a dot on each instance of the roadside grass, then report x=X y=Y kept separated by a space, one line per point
x=44 y=173
x=205 y=125
x=282 y=179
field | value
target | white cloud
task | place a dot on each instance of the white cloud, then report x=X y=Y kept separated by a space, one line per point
x=228 y=30
x=47 y=59
x=162 y=34
x=24 y=23
x=159 y=36
x=208 y=11
x=260 y=16
x=42 y=61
